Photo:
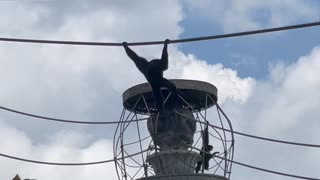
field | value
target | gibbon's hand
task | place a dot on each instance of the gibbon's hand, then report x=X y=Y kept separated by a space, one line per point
x=167 y=41
x=125 y=44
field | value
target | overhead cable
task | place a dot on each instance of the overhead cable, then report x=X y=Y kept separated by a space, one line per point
x=68 y=121
x=203 y=38
x=259 y=168
x=277 y=141
x=143 y=119
x=269 y=171
x=264 y=138
x=112 y=160
x=68 y=164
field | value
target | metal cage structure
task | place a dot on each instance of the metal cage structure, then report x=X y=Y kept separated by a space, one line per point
x=132 y=143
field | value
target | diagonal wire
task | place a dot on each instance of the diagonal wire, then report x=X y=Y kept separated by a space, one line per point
x=69 y=164
x=263 y=138
x=269 y=171
x=65 y=120
x=262 y=169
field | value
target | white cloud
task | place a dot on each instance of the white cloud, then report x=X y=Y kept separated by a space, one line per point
x=230 y=86
x=83 y=83
x=294 y=97
x=69 y=82
x=73 y=82
x=253 y=14
x=285 y=106
x=64 y=147
x=86 y=83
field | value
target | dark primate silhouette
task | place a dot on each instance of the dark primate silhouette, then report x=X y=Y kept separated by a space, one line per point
x=153 y=72
x=205 y=151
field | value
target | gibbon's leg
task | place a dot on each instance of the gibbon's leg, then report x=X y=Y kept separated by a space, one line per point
x=157 y=97
x=166 y=83
x=198 y=167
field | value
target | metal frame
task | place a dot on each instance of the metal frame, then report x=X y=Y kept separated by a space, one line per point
x=201 y=96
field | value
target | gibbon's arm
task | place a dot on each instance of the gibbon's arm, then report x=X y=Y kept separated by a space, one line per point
x=164 y=56
x=140 y=62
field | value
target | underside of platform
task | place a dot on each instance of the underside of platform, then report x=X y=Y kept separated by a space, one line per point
x=186 y=177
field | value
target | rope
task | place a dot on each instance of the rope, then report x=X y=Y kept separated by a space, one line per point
x=203 y=38
x=67 y=121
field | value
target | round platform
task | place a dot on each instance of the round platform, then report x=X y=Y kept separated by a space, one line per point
x=139 y=98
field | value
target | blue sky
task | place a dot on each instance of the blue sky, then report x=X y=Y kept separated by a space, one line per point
x=257 y=52
x=250 y=55
x=268 y=84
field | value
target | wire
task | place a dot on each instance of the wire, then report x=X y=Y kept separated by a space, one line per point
x=142 y=119
x=259 y=137
x=203 y=38
x=268 y=171
x=278 y=141
x=129 y=156
x=258 y=168
x=54 y=163
x=266 y=139
x=69 y=164
x=67 y=121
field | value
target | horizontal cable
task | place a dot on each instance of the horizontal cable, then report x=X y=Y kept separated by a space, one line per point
x=68 y=164
x=142 y=119
x=258 y=168
x=277 y=141
x=258 y=137
x=203 y=38
x=112 y=160
x=68 y=121
x=264 y=138
x=269 y=139
x=269 y=171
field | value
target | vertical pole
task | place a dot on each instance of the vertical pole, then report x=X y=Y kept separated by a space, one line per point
x=143 y=161
x=114 y=143
x=122 y=154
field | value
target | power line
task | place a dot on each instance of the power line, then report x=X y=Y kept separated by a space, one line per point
x=112 y=160
x=54 y=163
x=259 y=168
x=203 y=38
x=68 y=164
x=264 y=138
x=68 y=121
x=259 y=137
x=142 y=119
x=268 y=171
x=277 y=141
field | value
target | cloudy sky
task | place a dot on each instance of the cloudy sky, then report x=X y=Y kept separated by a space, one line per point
x=268 y=84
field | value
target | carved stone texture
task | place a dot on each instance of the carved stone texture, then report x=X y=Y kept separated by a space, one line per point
x=174 y=128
